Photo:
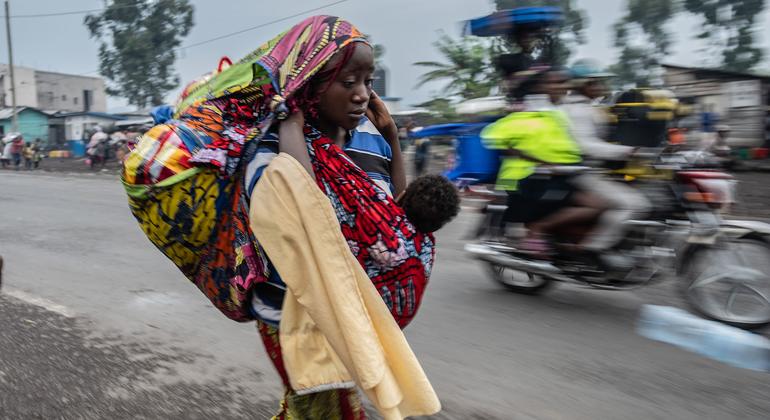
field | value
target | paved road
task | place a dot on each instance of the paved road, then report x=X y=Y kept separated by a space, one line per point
x=97 y=324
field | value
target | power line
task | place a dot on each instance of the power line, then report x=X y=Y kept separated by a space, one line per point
x=73 y=12
x=262 y=25
x=217 y=38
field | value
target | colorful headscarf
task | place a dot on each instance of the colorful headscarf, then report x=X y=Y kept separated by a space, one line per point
x=257 y=87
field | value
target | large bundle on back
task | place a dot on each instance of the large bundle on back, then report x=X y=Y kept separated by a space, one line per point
x=184 y=183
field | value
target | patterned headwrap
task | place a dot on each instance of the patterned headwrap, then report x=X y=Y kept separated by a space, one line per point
x=256 y=88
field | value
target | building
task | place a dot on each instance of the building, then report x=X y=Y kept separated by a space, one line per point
x=69 y=126
x=393 y=104
x=380 y=84
x=740 y=100
x=54 y=91
x=33 y=123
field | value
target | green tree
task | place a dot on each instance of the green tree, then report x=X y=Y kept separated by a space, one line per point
x=442 y=110
x=572 y=32
x=728 y=25
x=138 y=41
x=643 y=40
x=468 y=70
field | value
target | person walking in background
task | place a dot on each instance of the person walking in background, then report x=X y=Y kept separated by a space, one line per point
x=7 y=146
x=37 y=155
x=421 y=155
x=96 y=149
x=28 y=152
x=403 y=134
x=17 y=147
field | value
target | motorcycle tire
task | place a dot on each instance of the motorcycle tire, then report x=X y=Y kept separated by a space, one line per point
x=518 y=281
x=693 y=279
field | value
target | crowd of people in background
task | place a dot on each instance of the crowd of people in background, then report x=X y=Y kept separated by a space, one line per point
x=103 y=146
x=16 y=151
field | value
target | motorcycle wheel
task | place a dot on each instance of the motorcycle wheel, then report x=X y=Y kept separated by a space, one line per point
x=729 y=282
x=518 y=281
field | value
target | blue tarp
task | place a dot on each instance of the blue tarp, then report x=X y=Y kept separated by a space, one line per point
x=503 y=22
x=472 y=159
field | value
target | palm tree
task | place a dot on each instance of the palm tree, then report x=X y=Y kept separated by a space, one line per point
x=469 y=72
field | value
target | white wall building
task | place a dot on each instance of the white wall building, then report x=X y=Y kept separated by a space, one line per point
x=53 y=91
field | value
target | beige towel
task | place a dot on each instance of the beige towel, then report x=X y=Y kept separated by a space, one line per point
x=335 y=327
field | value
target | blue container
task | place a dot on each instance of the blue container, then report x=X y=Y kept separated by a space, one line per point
x=77 y=147
x=473 y=161
x=503 y=22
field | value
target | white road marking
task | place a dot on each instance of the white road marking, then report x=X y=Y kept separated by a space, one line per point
x=41 y=302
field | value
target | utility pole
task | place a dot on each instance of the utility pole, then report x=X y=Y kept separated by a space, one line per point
x=14 y=118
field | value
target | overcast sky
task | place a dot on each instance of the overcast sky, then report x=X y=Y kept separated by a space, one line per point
x=406 y=28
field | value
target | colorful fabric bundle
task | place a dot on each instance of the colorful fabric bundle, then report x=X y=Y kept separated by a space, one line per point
x=394 y=255
x=181 y=176
x=198 y=219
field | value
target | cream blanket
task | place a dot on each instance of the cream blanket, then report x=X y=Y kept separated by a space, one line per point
x=335 y=328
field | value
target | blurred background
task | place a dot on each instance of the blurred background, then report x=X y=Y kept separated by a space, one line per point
x=95 y=323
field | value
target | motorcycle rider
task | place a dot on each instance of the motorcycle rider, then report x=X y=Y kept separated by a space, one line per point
x=588 y=127
x=530 y=140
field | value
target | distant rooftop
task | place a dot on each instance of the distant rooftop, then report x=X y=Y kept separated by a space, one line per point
x=6 y=113
x=720 y=72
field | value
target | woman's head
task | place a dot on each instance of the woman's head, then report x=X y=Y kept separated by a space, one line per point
x=338 y=95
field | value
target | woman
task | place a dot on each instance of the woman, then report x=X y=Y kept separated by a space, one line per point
x=336 y=106
x=219 y=143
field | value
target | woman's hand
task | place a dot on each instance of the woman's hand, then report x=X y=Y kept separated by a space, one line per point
x=379 y=115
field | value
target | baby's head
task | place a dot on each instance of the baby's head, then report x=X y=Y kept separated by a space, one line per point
x=430 y=202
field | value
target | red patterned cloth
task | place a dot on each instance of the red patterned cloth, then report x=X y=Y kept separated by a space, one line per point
x=393 y=253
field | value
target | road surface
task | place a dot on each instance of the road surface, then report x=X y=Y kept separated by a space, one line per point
x=97 y=324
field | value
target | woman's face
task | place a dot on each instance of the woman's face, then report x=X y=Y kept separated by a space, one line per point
x=346 y=98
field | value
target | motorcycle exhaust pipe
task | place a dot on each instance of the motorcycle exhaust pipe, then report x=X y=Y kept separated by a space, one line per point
x=487 y=254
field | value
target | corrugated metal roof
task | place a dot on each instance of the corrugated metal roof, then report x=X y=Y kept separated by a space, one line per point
x=718 y=71
x=6 y=113
x=134 y=121
x=91 y=114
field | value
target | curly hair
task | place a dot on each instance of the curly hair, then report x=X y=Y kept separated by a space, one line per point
x=430 y=202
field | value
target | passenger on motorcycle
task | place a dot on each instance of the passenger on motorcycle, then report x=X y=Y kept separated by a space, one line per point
x=588 y=127
x=530 y=141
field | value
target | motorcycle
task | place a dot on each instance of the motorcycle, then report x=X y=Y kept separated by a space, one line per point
x=722 y=263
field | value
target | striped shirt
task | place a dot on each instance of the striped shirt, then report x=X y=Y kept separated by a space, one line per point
x=367 y=148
